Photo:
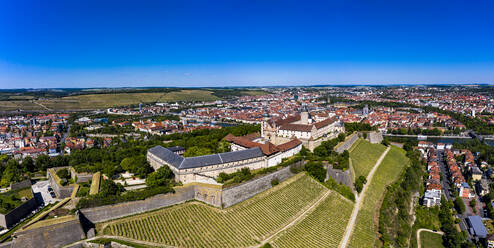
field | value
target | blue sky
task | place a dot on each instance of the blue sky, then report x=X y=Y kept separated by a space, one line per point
x=233 y=43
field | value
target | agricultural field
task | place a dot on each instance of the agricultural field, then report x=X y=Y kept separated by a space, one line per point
x=364 y=155
x=106 y=100
x=324 y=227
x=365 y=229
x=431 y=240
x=248 y=223
x=18 y=104
x=188 y=95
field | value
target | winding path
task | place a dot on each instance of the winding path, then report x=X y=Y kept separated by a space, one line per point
x=425 y=230
x=358 y=201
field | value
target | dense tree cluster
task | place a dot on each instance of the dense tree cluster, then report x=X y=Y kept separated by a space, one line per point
x=351 y=127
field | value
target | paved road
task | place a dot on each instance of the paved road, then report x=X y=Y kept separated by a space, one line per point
x=425 y=230
x=40 y=189
x=358 y=200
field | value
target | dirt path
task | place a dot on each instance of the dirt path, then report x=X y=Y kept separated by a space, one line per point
x=426 y=230
x=358 y=201
x=43 y=106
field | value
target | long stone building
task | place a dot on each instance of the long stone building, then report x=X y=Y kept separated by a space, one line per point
x=205 y=169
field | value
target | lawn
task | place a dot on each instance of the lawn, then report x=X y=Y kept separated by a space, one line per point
x=195 y=224
x=323 y=227
x=365 y=229
x=364 y=155
x=431 y=240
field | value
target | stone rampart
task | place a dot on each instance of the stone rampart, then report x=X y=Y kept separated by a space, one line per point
x=56 y=235
x=347 y=144
x=60 y=191
x=213 y=195
x=242 y=192
x=14 y=216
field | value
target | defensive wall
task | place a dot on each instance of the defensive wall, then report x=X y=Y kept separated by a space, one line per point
x=347 y=143
x=60 y=191
x=242 y=192
x=81 y=177
x=16 y=214
x=214 y=195
x=56 y=235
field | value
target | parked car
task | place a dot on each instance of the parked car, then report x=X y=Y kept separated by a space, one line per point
x=53 y=194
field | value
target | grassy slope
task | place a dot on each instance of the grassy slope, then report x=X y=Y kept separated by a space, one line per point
x=431 y=240
x=364 y=155
x=324 y=227
x=365 y=230
x=245 y=224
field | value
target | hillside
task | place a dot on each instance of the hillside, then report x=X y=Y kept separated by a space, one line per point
x=198 y=225
x=365 y=232
x=364 y=155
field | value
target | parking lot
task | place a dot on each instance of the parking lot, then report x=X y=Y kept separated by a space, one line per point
x=40 y=190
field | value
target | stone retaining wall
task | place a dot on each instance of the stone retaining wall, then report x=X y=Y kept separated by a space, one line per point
x=105 y=213
x=210 y=194
x=347 y=144
x=242 y=192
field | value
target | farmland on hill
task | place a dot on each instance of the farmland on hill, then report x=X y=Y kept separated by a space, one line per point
x=364 y=155
x=365 y=229
x=88 y=99
x=323 y=227
x=245 y=224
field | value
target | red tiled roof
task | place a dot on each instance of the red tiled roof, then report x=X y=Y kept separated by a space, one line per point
x=297 y=127
x=289 y=145
x=325 y=122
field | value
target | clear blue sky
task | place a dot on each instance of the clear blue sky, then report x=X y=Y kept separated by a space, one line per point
x=231 y=43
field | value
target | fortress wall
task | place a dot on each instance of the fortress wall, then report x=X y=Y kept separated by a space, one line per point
x=213 y=195
x=104 y=213
x=242 y=192
x=347 y=144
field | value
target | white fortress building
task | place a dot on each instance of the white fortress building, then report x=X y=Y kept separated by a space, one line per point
x=245 y=153
x=302 y=127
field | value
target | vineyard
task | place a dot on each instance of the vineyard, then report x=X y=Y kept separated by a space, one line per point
x=324 y=227
x=365 y=229
x=198 y=225
x=364 y=155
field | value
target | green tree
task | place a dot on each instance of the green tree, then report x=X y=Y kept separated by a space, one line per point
x=11 y=174
x=223 y=146
x=197 y=151
x=63 y=174
x=316 y=170
x=42 y=162
x=28 y=164
x=459 y=205
x=110 y=188
x=160 y=177
x=359 y=183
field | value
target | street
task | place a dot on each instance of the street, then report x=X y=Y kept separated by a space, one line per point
x=447 y=191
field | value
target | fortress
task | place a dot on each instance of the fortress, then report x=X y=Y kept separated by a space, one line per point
x=302 y=127
x=247 y=152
